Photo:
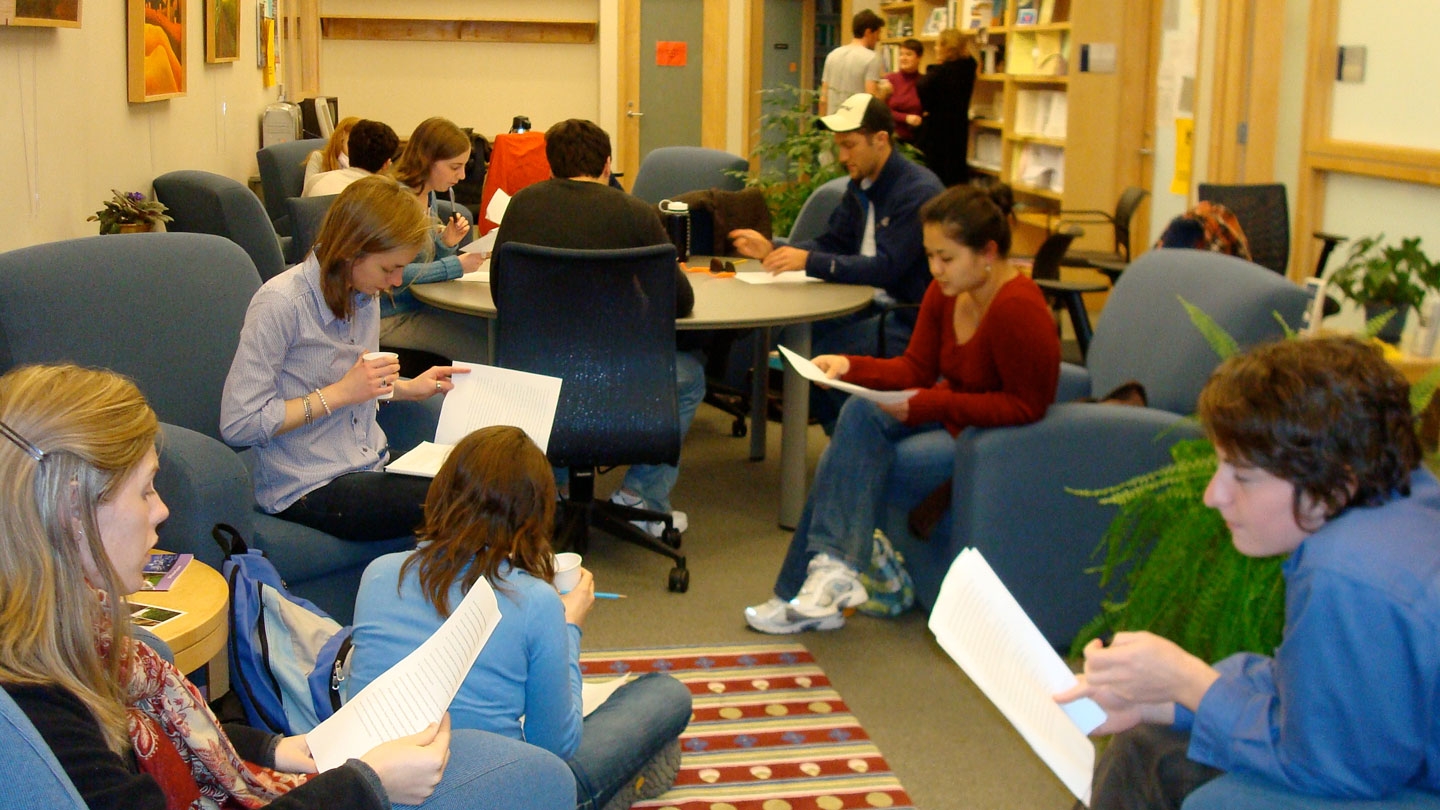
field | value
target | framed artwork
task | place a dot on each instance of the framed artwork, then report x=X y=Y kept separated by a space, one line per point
x=156 y=49
x=51 y=13
x=222 y=30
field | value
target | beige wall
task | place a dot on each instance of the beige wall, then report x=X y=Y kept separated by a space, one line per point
x=475 y=84
x=68 y=136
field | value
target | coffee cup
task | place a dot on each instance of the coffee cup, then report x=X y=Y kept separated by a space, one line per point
x=385 y=356
x=567 y=571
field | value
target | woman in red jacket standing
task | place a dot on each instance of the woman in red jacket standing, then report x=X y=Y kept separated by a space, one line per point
x=984 y=352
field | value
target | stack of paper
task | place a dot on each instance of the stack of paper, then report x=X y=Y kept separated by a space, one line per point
x=980 y=625
x=811 y=372
x=486 y=396
x=415 y=692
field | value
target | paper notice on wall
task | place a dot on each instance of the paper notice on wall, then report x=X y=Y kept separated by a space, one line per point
x=1184 y=155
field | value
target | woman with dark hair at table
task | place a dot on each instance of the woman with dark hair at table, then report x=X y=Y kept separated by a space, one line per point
x=78 y=517
x=984 y=353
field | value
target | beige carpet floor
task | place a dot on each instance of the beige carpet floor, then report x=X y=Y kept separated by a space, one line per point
x=948 y=745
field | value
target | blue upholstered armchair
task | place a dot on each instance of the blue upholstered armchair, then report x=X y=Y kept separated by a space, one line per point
x=1009 y=496
x=282 y=175
x=672 y=170
x=165 y=309
x=1239 y=792
x=204 y=202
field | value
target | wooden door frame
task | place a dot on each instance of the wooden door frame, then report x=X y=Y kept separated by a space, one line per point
x=1246 y=90
x=714 y=81
x=1322 y=155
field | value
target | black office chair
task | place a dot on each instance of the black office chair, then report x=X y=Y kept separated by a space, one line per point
x=1109 y=262
x=604 y=322
x=1068 y=295
x=1264 y=215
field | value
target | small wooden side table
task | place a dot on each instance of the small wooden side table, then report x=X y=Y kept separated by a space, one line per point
x=198 y=637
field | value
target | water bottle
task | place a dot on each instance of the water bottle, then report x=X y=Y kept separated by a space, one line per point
x=677 y=224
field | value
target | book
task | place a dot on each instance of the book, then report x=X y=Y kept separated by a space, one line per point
x=979 y=624
x=162 y=569
x=486 y=396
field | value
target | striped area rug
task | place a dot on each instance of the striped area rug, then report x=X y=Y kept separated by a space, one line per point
x=768 y=731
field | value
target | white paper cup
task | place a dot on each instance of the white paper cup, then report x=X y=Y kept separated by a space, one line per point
x=567 y=571
x=377 y=356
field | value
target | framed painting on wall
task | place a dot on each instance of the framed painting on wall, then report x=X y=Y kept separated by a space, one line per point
x=51 y=13
x=222 y=30
x=156 y=49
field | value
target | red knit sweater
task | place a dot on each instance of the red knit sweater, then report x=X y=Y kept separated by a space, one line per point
x=1005 y=374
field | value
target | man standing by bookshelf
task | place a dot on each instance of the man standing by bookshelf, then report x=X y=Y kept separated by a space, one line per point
x=853 y=68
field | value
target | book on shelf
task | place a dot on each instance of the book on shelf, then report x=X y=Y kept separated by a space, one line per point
x=988 y=150
x=1026 y=12
x=1041 y=167
x=1041 y=113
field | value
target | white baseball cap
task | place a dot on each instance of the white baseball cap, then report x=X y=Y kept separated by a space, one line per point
x=860 y=111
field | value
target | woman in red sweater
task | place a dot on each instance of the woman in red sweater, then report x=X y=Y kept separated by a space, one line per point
x=904 y=98
x=984 y=352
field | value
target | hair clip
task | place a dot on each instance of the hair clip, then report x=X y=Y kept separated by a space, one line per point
x=22 y=442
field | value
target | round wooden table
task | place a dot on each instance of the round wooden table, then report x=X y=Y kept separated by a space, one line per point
x=198 y=637
x=728 y=303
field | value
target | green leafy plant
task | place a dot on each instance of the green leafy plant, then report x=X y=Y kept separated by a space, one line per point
x=789 y=138
x=129 y=208
x=1169 y=565
x=1398 y=276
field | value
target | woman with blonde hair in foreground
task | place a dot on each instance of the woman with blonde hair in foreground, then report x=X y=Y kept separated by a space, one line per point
x=78 y=517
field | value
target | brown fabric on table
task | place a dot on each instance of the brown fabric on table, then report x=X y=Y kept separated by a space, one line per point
x=730 y=210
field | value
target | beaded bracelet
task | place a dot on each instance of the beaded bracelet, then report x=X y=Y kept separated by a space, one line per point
x=328 y=412
x=309 y=417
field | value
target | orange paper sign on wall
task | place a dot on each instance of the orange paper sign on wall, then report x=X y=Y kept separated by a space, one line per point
x=671 y=54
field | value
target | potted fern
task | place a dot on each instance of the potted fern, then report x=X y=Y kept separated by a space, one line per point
x=1387 y=278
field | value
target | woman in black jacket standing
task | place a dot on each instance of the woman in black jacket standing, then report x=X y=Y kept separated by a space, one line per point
x=945 y=95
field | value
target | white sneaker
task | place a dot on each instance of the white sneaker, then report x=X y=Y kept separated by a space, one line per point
x=779 y=617
x=830 y=587
x=654 y=527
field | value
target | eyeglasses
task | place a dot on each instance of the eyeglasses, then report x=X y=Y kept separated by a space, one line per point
x=22 y=442
x=721 y=268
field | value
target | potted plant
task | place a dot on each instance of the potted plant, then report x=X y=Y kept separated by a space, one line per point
x=129 y=212
x=1387 y=278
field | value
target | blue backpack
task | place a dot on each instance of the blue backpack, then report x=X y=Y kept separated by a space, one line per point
x=288 y=658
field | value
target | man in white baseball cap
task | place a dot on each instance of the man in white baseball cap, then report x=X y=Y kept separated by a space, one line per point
x=873 y=237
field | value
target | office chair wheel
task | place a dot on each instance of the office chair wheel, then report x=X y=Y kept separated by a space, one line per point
x=738 y=428
x=671 y=537
x=679 y=580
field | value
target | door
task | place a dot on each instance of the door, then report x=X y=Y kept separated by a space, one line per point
x=783 y=53
x=662 y=48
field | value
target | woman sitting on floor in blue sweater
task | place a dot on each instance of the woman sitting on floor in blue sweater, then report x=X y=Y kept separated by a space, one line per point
x=490 y=512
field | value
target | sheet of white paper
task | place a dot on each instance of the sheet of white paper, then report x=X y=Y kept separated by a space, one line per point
x=424 y=460
x=795 y=277
x=809 y=371
x=495 y=211
x=498 y=396
x=485 y=244
x=979 y=623
x=481 y=276
x=415 y=692
x=593 y=694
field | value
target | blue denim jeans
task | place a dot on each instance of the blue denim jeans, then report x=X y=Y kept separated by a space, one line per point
x=624 y=733
x=490 y=772
x=653 y=482
x=846 y=501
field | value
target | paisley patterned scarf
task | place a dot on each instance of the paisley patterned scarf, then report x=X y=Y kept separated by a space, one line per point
x=177 y=739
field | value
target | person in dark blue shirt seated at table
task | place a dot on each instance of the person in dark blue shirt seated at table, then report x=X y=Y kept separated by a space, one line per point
x=874 y=237
x=1319 y=461
x=578 y=209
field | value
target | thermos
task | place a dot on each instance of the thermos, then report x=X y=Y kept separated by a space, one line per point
x=677 y=223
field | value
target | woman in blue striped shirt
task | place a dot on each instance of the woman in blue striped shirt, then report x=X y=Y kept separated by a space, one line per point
x=300 y=389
